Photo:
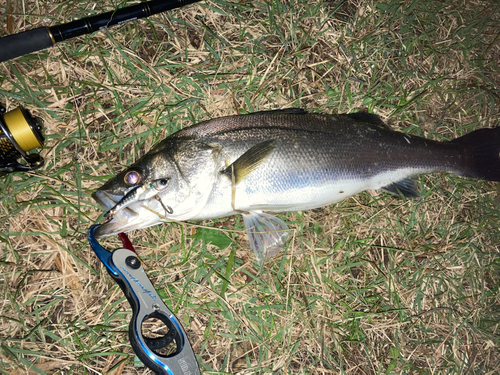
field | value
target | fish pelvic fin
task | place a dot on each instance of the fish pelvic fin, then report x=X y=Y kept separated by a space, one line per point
x=266 y=234
x=249 y=161
x=405 y=187
x=482 y=154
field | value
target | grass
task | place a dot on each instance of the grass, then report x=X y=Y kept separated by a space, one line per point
x=371 y=285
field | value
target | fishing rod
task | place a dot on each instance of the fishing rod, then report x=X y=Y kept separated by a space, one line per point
x=25 y=42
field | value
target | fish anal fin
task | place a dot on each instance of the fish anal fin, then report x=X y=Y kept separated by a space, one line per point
x=405 y=187
x=266 y=234
x=249 y=161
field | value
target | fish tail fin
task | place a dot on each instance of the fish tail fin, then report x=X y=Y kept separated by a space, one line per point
x=482 y=153
x=266 y=234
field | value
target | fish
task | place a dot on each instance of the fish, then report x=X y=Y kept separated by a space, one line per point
x=282 y=160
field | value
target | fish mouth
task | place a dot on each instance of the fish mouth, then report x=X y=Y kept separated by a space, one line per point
x=106 y=200
x=134 y=216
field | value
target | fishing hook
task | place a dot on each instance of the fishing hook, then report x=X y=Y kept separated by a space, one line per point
x=167 y=209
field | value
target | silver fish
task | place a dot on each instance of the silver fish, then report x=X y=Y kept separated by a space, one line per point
x=285 y=160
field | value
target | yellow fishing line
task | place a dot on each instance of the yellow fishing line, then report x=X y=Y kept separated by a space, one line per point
x=20 y=130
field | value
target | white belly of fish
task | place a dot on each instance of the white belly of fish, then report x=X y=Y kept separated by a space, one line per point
x=267 y=233
x=251 y=195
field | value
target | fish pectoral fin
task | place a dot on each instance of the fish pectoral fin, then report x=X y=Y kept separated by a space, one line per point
x=249 y=161
x=405 y=187
x=266 y=234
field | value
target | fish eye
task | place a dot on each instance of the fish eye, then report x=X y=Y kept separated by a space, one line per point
x=161 y=184
x=133 y=178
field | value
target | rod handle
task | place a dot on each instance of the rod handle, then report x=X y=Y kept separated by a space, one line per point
x=20 y=44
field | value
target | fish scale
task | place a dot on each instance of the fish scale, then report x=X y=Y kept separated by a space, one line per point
x=285 y=160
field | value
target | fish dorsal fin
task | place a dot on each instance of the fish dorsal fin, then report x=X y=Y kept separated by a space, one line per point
x=369 y=118
x=405 y=187
x=290 y=111
x=266 y=234
x=249 y=161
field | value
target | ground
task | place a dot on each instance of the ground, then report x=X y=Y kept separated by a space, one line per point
x=373 y=284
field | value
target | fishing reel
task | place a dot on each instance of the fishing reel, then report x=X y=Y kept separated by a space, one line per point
x=19 y=133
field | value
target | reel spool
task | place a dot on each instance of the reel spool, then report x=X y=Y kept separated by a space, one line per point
x=19 y=134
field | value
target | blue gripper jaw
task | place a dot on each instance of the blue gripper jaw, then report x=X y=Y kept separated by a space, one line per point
x=103 y=254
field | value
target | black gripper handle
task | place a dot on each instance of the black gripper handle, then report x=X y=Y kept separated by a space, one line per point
x=20 y=44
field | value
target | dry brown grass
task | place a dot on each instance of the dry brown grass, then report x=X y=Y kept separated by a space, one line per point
x=371 y=285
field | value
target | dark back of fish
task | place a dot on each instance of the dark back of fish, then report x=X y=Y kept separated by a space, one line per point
x=356 y=145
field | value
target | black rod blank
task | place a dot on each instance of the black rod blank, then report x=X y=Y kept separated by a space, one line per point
x=16 y=45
